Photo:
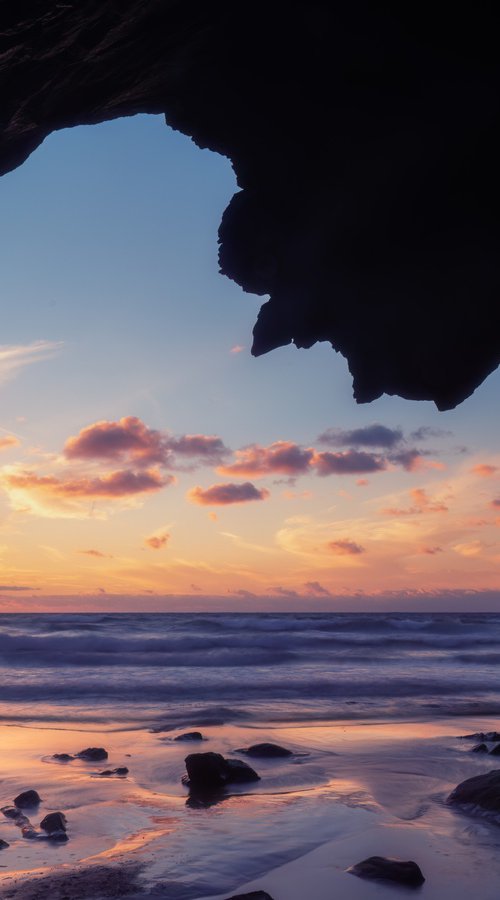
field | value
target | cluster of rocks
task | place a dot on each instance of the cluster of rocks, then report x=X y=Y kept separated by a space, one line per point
x=53 y=824
x=93 y=754
x=210 y=772
x=484 y=738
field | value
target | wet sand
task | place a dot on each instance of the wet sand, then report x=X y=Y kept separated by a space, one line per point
x=350 y=791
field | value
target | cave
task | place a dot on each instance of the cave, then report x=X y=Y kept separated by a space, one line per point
x=364 y=139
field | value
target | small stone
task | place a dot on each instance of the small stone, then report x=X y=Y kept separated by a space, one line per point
x=121 y=770
x=479 y=748
x=27 y=798
x=30 y=833
x=3 y=844
x=63 y=757
x=189 y=736
x=382 y=868
x=93 y=754
x=52 y=822
x=10 y=812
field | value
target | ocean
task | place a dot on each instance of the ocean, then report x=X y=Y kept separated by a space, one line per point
x=161 y=668
x=374 y=709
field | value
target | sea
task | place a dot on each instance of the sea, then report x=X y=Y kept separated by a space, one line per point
x=156 y=669
x=375 y=710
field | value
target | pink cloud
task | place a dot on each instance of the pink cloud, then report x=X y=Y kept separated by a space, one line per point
x=282 y=457
x=238 y=348
x=225 y=494
x=157 y=541
x=421 y=503
x=9 y=441
x=129 y=437
x=345 y=548
x=348 y=462
x=430 y=551
x=484 y=470
x=315 y=589
x=121 y=483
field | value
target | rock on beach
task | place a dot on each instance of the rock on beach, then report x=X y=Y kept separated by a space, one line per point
x=383 y=868
x=210 y=771
x=266 y=751
x=480 y=790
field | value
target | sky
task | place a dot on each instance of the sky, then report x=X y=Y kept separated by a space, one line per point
x=148 y=461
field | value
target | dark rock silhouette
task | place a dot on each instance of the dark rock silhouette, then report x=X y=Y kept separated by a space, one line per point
x=3 y=844
x=27 y=799
x=382 y=868
x=269 y=751
x=121 y=770
x=365 y=150
x=482 y=736
x=189 y=736
x=495 y=750
x=480 y=790
x=211 y=772
x=253 y=895
x=55 y=821
x=63 y=757
x=479 y=748
x=93 y=754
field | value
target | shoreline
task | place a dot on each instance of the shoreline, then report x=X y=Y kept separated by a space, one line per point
x=362 y=789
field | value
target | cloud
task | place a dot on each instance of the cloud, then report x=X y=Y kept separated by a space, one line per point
x=15 y=357
x=375 y=435
x=129 y=437
x=315 y=589
x=96 y=553
x=495 y=503
x=238 y=348
x=248 y=595
x=345 y=548
x=284 y=592
x=17 y=587
x=484 y=470
x=225 y=494
x=130 y=440
x=158 y=540
x=9 y=441
x=424 y=432
x=121 y=483
x=421 y=503
x=282 y=457
x=203 y=446
x=349 y=462
x=430 y=551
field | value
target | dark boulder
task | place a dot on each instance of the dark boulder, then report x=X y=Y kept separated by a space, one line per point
x=210 y=771
x=381 y=868
x=93 y=754
x=63 y=757
x=240 y=772
x=27 y=798
x=480 y=790
x=30 y=833
x=52 y=822
x=269 y=751
x=189 y=736
x=479 y=748
x=253 y=895
x=3 y=844
x=206 y=771
x=495 y=751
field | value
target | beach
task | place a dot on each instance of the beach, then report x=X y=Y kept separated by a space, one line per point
x=374 y=782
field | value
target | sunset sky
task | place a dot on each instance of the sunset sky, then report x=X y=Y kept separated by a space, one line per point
x=148 y=461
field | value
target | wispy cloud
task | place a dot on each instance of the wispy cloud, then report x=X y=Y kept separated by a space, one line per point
x=345 y=547
x=15 y=357
x=9 y=441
